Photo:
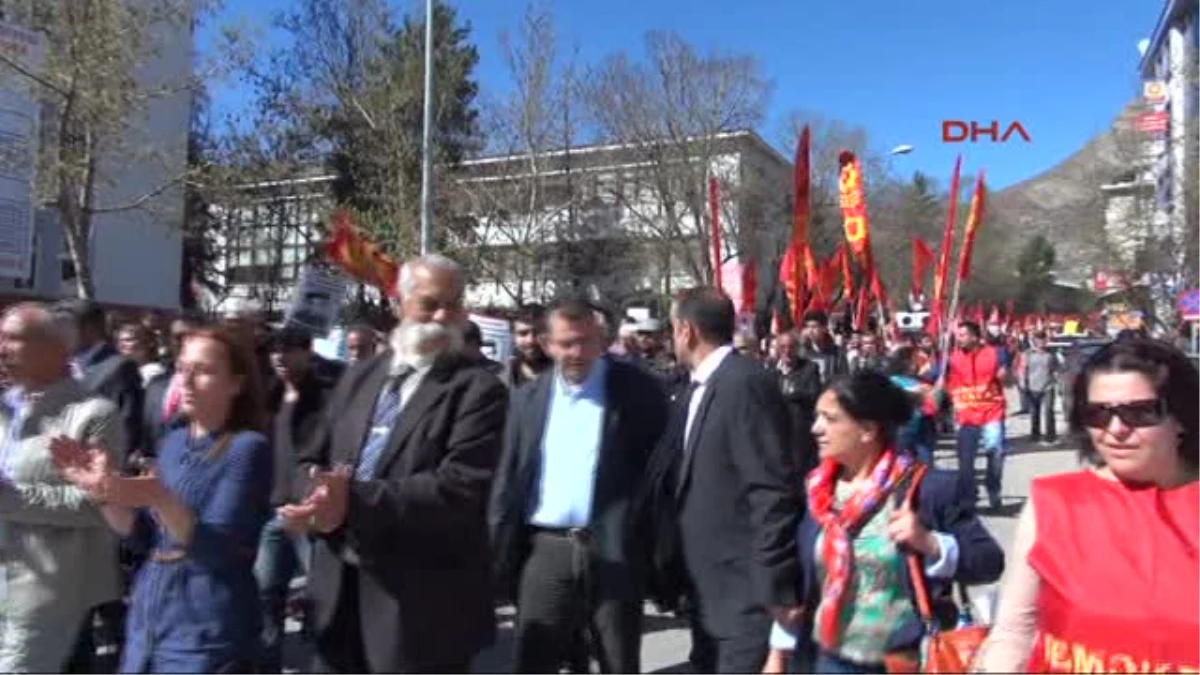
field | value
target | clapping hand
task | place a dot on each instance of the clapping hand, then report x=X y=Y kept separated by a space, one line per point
x=83 y=466
x=87 y=467
x=324 y=509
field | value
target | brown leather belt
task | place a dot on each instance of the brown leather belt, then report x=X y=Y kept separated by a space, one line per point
x=168 y=556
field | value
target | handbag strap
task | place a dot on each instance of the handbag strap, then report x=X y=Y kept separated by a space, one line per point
x=905 y=496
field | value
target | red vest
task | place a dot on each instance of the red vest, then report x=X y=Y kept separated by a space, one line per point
x=974 y=386
x=1120 y=577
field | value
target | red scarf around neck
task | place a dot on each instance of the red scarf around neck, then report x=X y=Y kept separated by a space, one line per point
x=841 y=525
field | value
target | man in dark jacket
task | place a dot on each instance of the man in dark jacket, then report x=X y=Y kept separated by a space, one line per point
x=818 y=346
x=800 y=382
x=103 y=371
x=296 y=404
x=567 y=541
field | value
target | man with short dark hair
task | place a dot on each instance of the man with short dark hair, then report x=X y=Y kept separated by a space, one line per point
x=567 y=541
x=975 y=381
x=101 y=370
x=735 y=488
x=361 y=343
x=818 y=346
x=529 y=358
x=296 y=402
x=473 y=348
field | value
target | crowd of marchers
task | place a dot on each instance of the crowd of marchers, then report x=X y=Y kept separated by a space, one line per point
x=161 y=488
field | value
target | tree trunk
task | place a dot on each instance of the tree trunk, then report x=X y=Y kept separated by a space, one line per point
x=76 y=225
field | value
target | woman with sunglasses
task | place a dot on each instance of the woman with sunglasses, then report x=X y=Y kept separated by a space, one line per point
x=1104 y=572
x=194 y=606
x=860 y=607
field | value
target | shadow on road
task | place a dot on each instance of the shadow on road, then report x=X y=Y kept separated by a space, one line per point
x=1009 y=508
x=681 y=667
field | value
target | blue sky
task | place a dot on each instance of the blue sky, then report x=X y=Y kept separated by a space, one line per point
x=1062 y=68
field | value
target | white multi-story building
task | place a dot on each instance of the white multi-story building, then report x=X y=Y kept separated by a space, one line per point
x=136 y=253
x=620 y=222
x=1150 y=207
x=265 y=239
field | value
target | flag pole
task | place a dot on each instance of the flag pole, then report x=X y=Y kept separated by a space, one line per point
x=427 y=135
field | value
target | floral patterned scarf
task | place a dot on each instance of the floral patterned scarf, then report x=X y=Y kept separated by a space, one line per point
x=841 y=525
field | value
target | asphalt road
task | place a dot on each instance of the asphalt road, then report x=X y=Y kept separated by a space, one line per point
x=665 y=641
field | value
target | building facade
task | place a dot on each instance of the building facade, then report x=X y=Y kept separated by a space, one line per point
x=1168 y=70
x=135 y=253
x=265 y=236
x=623 y=223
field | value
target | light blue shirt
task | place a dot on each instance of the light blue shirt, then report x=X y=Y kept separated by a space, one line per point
x=571 y=450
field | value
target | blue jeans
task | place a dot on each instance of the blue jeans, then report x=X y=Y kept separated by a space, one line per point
x=281 y=555
x=970 y=438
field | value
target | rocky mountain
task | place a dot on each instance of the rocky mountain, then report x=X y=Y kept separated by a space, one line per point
x=1065 y=203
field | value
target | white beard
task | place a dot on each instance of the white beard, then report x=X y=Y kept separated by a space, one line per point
x=417 y=343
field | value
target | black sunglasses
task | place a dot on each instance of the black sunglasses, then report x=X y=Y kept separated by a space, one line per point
x=1134 y=414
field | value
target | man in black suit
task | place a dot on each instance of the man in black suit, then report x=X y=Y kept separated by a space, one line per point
x=102 y=371
x=403 y=463
x=737 y=491
x=567 y=546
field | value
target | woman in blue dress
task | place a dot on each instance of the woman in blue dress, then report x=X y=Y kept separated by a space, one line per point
x=197 y=515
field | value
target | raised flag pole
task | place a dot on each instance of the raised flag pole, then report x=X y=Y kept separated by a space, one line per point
x=427 y=136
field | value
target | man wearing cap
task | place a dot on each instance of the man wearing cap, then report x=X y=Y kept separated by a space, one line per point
x=648 y=347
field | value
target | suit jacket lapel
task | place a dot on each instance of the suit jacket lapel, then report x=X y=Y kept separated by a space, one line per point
x=361 y=411
x=692 y=440
x=535 y=420
x=608 y=463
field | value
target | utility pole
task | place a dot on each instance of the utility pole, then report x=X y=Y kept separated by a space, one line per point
x=427 y=139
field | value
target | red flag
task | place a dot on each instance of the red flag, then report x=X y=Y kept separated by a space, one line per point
x=714 y=208
x=802 y=207
x=994 y=316
x=974 y=216
x=861 y=308
x=847 y=273
x=789 y=276
x=922 y=259
x=749 y=285
x=943 y=267
x=359 y=257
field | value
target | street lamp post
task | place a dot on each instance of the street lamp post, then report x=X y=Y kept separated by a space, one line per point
x=427 y=136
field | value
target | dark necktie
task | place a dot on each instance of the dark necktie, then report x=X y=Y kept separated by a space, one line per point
x=387 y=409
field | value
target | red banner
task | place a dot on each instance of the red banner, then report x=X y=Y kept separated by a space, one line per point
x=854 y=208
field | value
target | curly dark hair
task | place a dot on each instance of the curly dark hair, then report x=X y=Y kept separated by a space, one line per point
x=1173 y=375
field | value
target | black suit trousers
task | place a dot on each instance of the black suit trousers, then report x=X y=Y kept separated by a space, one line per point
x=743 y=653
x=564 y=592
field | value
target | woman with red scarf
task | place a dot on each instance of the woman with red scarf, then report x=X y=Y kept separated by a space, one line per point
x=1105 y=575
x=859 y=603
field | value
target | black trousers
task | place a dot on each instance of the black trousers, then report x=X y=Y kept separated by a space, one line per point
x=565 y=592
x=340 y=648
x=743 y=653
